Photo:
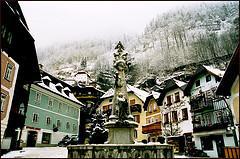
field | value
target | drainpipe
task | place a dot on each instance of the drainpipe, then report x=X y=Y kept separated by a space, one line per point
x=232 y=123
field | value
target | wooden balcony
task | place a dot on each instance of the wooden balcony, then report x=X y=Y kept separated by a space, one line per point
x=151 y=128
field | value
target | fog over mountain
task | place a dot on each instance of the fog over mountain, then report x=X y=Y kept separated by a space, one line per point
x=170 y=40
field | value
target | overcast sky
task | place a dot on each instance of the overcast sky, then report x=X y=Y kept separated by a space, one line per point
x=63 y=21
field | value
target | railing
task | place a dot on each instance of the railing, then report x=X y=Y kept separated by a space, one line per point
x=231 y=152
x=210 y=120
x=120 y=151
x=150 y=128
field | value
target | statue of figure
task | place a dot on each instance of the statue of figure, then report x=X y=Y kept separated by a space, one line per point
x=123 y=107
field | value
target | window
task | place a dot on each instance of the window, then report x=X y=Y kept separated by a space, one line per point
x=3 y=99
x=59 y=107
x=132 y=101
x=68 y=108
x=58 y=123
x=206 y=143
x=67 y=125
x=135 y=133
x=208 y=78
x=217 y=79
x=38 y=97
x=150 y=108
x=48 y=120
x=46 y=137
x=89 y=93
x=35 y=117
x=166 y=120
x=50 y=103
x=174 y=116
x=105 y=108
x=110 y=100
x=177 y=97
x=197 y=83
x=8 y=72
x=137 y=118
x=184 y=114
x=169 y=101
x=74 y=127
x=154 y=107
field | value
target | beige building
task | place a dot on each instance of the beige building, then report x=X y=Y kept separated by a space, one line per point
x=136 y=99
x=153 y=127
x=229 y=86
x=9 y=71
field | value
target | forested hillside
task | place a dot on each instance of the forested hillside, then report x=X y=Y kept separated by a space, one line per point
x=170 y=40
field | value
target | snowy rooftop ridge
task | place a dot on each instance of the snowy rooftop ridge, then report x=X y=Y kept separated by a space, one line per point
x=214 y=70
x=138 y=92
x=52 y=87
x=179 y=83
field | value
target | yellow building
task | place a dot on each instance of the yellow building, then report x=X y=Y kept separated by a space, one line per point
x=136 y=99
x=9 y=71
x=153 y=118
x=229 y=86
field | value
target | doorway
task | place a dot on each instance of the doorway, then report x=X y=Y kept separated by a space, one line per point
x=31 y=139
x=220 y=145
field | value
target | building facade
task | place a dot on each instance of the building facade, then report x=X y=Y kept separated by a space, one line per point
x=53 y=112
x=18 y=44
x=136 y=99
x=175 y=108
x=229 y=86
x=9 y=71
x=210 y=113
x=153 y=126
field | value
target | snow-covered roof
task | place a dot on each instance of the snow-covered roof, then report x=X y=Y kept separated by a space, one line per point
x=59 y=85
x=52 y=88
x=138 y=92
x=109 y=93
x=155 y=94
x=179 y=83
x=46 y=78
x=214 y=71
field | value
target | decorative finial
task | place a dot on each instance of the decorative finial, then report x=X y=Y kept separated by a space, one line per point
x=119 y=46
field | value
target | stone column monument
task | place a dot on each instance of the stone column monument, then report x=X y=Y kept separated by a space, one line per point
x=121 y=124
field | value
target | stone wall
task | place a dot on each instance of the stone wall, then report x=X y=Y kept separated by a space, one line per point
x=120 y=151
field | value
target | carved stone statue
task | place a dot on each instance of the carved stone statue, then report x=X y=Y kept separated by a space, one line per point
x=121 y=125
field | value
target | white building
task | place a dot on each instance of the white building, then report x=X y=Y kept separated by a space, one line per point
x=210 y=113
x=177 y=122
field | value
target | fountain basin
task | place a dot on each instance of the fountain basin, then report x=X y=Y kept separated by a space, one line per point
x=153 y=150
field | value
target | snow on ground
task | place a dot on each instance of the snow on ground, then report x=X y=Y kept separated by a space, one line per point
x=38 y=152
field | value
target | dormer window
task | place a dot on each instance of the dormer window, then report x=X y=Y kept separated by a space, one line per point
x=66 y=91
x=46 y=80
x=59 y=87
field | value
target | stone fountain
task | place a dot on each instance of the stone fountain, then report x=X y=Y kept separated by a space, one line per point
x=121 y=125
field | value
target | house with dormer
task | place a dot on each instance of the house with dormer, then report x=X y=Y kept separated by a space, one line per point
x=136 y=99
x=175 y=110
x=53 y=112
x=211 y=115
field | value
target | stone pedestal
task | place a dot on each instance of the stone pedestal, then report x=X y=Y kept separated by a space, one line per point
x=121 y=132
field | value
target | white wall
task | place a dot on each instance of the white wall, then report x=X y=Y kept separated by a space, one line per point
x=204 y=86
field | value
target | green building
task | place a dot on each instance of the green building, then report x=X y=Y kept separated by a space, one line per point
x=53 y=112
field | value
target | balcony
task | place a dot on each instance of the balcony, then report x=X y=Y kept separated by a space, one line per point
x=201 y=103
x=211 y=120
x=151 y=128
